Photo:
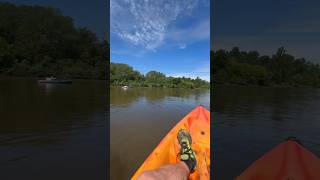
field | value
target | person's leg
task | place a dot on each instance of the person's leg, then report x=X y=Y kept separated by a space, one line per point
x=179 y=171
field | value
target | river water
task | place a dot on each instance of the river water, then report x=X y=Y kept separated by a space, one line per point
x=59 y=131
x=249 y=121
x=140 y=118
x=52 y=131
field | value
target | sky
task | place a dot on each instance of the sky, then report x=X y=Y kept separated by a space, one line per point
x=169 y=36
x=175 y=38
x=265 y=25
x=93 y=14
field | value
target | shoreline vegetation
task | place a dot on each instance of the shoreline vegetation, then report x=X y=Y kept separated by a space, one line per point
x=248 y=68
x=124 y=75
x=37 y=41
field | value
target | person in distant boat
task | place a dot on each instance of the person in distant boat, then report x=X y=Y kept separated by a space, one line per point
x=180 y=170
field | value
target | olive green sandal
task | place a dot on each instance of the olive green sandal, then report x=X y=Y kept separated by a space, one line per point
x=187 y=155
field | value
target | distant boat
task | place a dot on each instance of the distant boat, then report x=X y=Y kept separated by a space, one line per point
x=54 y=80
x=124 y=87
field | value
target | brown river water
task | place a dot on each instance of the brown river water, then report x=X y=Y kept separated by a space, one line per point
x=59 y=131
x=250 y=121
x=140 y=118
x=52 y=131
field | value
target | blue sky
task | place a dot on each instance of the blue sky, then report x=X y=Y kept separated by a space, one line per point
x=261 y=25
x=170 y=36
x=265 y=25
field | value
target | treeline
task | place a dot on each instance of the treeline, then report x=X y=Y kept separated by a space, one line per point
x=123 y=74
x=250 y=68
x=40 y=41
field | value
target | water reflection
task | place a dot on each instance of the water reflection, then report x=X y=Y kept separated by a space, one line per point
x=43 y=123
x=120 y=97
x=249 y=121
x=140 y=117
x=26 y=109
x=48 y=88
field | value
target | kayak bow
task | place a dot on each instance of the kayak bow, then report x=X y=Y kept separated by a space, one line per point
x=287 y=161
x=197 y=122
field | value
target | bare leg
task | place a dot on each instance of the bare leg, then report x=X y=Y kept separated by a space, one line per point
x=179 y=171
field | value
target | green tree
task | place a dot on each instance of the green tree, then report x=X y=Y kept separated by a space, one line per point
x=40 y=41
x=249 y=68
x=123 y=74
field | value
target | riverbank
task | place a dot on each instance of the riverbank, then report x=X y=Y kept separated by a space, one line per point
x=250 y=68
x=124 y=75
x=163 y=87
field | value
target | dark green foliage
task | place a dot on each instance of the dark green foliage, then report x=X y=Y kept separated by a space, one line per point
x=40 y=41
x=249 y=68
x=123 y=74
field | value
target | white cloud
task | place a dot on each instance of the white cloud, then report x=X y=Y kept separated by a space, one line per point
x=145 y=22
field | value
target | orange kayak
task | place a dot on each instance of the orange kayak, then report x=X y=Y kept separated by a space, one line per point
x=289 y=160
x=197 y=122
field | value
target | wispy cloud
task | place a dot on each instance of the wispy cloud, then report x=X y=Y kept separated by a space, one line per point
x=145 y=22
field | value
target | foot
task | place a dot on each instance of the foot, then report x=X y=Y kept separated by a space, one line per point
x=187 y=155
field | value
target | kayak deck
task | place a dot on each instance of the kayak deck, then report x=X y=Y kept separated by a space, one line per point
x=288 y=160
x=197 y=122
